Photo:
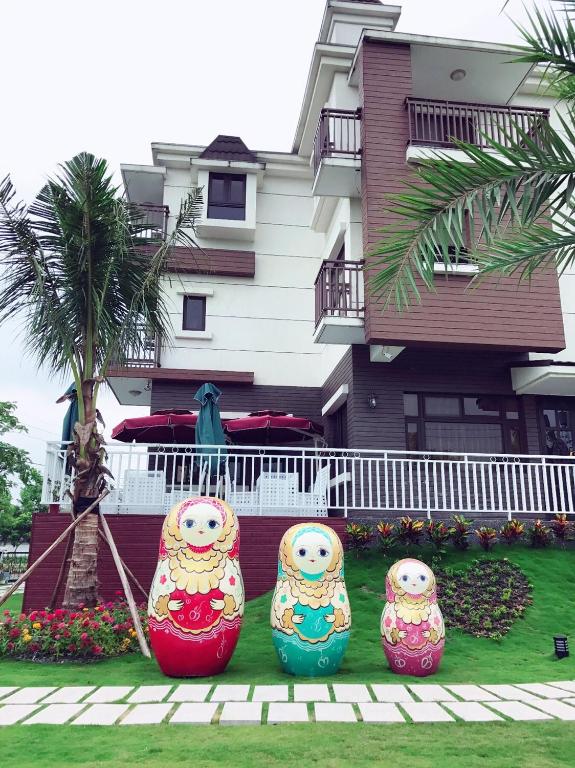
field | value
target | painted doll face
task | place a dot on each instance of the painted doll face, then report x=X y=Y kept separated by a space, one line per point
x=413 y=577
x=201 y=525
x=312 y=553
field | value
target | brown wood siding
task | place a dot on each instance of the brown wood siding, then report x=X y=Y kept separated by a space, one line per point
x=501 y=313
x=301 y=401
x=341 y=374
x=137 y=538
x=212 y=261
x=183 y=374
x=445 y=372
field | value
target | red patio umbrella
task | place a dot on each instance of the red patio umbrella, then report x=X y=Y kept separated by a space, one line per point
x=172 y=427
x=271 y=428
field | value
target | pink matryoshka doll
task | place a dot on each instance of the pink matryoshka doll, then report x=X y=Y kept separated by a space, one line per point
x=197 y=595
x=412 y=630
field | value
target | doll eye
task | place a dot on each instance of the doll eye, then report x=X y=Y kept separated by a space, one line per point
x=302 y=552
x=404 y=578
x=323 y=552
x=422 y=577
x=189 y=523
x=212 y=524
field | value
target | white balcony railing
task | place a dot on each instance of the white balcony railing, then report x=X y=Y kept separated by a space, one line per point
x=317 y=481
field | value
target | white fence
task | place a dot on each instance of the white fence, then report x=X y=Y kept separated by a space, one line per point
x=316 y=481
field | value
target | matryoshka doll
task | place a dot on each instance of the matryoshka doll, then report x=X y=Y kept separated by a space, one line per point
x=197 y=596
x=310 y=613
x=412 y=629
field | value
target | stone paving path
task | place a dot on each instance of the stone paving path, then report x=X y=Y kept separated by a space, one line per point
x=204 y=704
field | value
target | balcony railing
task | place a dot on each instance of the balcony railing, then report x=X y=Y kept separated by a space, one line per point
x=144 y=352
x=339 y=290
x=320 y=481
x=338 y=135
x=153 y=220
x=438 y=123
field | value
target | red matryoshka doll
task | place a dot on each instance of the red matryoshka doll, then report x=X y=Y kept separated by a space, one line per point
x=412 y=629
x=197 y=595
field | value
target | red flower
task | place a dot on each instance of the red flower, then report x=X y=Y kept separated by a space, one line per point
x=72 y=648
x=86 y=623
x=97 y=650
x=14 y=632
x=34 y=647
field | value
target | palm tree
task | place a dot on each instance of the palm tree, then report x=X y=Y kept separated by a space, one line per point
x=81 y=270
x=507 y=208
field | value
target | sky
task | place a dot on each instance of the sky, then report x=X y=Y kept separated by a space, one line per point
x=113 y=76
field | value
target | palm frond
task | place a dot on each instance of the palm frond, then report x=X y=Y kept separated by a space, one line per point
x=490 y=194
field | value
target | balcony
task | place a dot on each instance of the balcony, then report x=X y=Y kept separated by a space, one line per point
x=320 y=482
x=438 y=124
x=153 y=221
x=339 y=303
x=337 y=153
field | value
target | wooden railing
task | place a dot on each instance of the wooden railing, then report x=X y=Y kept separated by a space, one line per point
x=438 y=123
x=339 y=290
x=338 y=134
x=152 y=221
x=266 y=480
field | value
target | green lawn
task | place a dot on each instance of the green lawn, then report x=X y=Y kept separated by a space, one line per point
x=499 y=745
x=524 y=655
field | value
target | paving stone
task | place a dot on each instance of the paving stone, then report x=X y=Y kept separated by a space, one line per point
x=271 y=693
x=311 y=692
x=284 y=712
x=241 y=713
x=69 y=695
x=101 y=714
x=471 y=711
x=471 y=693
x=426 y=712
x=391 y=693
x=190 y=693
x=230 y=693
x=509 y=692
x=380 y=713
x=27 y=695
x=198 y=713
x=431 y=693
x=570 y=701
x=109 y=693
x=146 y=714
x=565 y=685
x=556 y=708
x=518 y=710
x=13 y=713
x=5 y=691
x=352 y=693
x=547 y=691
x=149 y=693
x=55 y=714
x=334 y=713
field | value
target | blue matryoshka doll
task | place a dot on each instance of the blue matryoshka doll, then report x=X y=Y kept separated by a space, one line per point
x=310 y=613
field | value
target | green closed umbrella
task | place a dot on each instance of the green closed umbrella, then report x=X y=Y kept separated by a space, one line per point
x=71 y=416
x=209 y=429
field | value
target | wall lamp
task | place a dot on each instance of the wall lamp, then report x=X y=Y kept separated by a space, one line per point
x=372 y=401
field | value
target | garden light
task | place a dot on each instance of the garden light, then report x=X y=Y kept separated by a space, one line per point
x=561 y=646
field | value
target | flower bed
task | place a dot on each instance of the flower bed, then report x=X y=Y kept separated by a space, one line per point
x=85 y=634
x=484 y=600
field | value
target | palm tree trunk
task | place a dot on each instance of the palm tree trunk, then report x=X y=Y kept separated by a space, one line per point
x=82 y=580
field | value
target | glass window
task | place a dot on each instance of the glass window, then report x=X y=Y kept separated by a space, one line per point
x=410 y=405
x=511 y=406
x=194 y=315
x=463 y=437
x=480 y=406
x=227 y=196
x=412 y=439
x=442 y=406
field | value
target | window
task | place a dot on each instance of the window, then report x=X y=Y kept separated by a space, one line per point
x=227 y=196
x=558 y=426
x=194 y=315
x=462 y=424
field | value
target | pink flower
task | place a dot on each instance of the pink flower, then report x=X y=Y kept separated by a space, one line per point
x=163 y=578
